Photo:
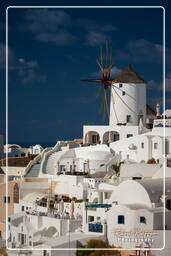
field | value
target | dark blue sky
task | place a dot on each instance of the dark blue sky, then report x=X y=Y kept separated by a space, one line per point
x=50 y=50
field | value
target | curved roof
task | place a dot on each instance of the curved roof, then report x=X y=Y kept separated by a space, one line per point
x=99 y=155
x=155 y=187
x=12 y=146
x=129 y=76
x=131 y=194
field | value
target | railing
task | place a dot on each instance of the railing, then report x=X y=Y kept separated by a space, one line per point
x=162 y=123
x=95 y=227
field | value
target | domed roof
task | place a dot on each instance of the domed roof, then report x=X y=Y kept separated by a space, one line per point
x=129 y=76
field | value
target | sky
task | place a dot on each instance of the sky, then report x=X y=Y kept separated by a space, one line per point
x=51 y=49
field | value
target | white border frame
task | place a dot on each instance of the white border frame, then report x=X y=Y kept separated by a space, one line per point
x=164 y=107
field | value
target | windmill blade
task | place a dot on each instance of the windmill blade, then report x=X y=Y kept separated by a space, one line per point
x=106 y=103
x=101 y=56
x=101 y=107
x=91 y=80
x=99 y=91
x=106 y=53
x=111 y=60
x=100 y=65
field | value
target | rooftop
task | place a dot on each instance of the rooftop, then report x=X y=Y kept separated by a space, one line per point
x=129 y=76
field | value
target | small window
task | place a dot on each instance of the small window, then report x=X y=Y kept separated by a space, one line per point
x=120 y=85
x=123 y=93
x=129 y=135
x=142 y=145
x=7 y=199
x=128 y=118
x=22 y=208
x=121 y=219
x=90 y=218
x=9 y=219
x=168 y=204
x=155 y=145
x=142 y=219
x=116 y=137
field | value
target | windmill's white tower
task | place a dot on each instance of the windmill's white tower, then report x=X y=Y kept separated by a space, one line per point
x=128 y=98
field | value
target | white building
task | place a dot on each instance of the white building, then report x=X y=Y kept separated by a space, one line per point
x=128 y=109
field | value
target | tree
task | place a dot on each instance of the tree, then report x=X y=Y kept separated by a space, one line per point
x=97 y=244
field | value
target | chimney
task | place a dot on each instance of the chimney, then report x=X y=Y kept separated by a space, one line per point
x=158 y=111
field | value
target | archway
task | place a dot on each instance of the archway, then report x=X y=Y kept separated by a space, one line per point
x=16 y=194
x=92 y=137
x=110 y=136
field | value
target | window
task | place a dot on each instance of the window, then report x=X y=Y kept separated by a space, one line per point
x=120 y=85
x=142 y=219
x=90 y=218
x=121 y=219
x=129 y=135
x=128 y=118
x=168 y=204
x=136 y=178
x=7 y=199
x=116 y=136
x=155 y=145
x=9 y=219
x=95 y=138
x=123 y=93
x=106 y=195
x=142 y=145
x=22 y=208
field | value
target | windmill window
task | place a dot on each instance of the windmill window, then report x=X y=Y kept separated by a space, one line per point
x=121 y=219
x=142 y=219
x=120 y=85
x=155 y=145
x=168 y=204
x=128 y=118
x=142 y=145
x=123 y=93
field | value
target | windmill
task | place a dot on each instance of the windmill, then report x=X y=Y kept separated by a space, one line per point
x=105 y=63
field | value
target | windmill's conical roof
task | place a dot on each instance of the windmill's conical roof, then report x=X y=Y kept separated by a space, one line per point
x=129 y=76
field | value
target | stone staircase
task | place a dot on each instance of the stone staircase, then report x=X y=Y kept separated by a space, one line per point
x=34 y=171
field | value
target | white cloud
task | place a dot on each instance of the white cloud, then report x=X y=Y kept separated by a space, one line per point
x=142 y=50
x=54 y=26
x=93 y=38
x=27 y=71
